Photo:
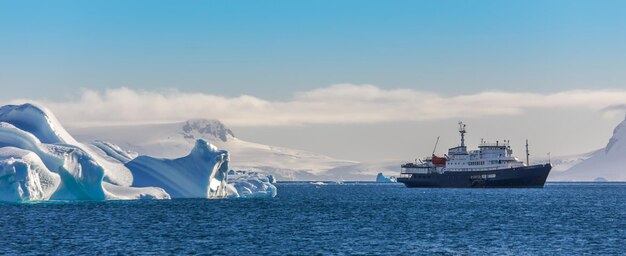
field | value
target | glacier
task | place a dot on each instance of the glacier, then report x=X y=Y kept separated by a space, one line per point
x=40 y=161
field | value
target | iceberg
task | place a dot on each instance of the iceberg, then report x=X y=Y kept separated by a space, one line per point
x=40 y=160
x=38 y=127
x=380 y=178
x=24 y=177
x=201 y=174
x=251 y=184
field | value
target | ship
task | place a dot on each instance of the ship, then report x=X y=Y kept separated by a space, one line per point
x=492 y=165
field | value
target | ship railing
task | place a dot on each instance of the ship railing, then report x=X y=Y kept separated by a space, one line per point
x=418 y=170
x=477 y=169
x=489 y=144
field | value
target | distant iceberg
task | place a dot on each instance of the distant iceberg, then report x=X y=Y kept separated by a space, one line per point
x=380 y=178
x=40 y=160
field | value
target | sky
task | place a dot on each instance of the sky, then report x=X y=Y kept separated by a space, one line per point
x=335 y=77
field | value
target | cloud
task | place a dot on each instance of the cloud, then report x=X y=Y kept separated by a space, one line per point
x=336 y=104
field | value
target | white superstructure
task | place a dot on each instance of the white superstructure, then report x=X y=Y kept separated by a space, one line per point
x=488 y=156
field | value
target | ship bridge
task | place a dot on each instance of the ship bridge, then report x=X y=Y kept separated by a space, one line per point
x=488 y=156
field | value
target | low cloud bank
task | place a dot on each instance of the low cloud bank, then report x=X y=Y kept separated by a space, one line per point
x=336 y=104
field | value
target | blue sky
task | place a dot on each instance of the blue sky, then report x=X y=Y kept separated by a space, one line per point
x=115 y=61
x=270 y=49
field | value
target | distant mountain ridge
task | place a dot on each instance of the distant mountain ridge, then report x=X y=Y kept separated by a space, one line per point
x=176 y=139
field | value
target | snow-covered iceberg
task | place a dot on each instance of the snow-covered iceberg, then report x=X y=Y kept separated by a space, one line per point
x=24 y=177
x=201 y=174
x=380 y=178
x=40 y=160
x=250 y=184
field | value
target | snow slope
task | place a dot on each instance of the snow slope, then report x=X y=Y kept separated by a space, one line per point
x=176 y=139
x=560 y=164
x=608 y=163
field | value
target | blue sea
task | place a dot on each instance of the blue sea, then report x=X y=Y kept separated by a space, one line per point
x=305 y=219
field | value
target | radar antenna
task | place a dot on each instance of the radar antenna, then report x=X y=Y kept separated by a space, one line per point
x=462 y=132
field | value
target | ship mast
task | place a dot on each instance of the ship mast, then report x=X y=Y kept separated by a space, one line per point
x=527 y=154
x=462 y=132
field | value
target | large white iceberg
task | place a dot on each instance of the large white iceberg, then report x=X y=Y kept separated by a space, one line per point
x=40 y=160
x=40 y=129
x=202 y=173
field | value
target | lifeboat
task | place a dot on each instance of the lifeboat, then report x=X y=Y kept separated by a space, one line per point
x=438 y=160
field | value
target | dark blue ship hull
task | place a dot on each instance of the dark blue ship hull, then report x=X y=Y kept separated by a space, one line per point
x=522 y=177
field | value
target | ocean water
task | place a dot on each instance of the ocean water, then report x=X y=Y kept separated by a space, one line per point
x=304 y=219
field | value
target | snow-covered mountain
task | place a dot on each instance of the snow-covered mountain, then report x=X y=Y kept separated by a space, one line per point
x=176 y=139
x=604 y=164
